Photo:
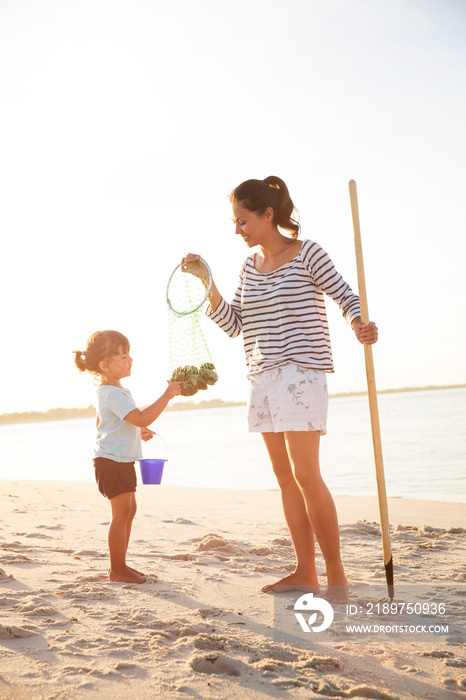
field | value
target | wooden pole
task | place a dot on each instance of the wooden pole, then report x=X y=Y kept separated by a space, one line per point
x=372 y=393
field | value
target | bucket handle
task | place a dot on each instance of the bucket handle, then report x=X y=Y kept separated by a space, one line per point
x=165 y=445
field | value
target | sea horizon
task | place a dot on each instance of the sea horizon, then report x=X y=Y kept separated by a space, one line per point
x=70 y=413
x=424 y=448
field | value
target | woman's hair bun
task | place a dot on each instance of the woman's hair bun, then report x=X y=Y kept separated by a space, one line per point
x=257 y=195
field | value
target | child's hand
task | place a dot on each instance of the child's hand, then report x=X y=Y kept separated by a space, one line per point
x=173 y=389
x=147 y=434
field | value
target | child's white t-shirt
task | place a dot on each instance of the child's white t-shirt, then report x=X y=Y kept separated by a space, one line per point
x=117 y=439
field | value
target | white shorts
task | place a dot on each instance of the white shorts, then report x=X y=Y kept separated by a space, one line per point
x=288 y=398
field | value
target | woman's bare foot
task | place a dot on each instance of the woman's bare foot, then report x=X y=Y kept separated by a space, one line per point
x=126 y=575
x=337 y=586
x=294 y=582
x=131 y=569
x=338 y=595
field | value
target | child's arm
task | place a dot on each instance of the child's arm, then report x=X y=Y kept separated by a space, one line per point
x=148 y=415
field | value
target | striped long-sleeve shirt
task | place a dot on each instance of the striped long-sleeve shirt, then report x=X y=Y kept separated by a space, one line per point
x=282 y=313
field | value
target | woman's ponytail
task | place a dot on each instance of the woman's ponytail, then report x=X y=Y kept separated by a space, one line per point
x=257 y=195
x=285 y=207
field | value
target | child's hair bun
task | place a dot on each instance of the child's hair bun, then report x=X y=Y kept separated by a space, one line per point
x=80 y=360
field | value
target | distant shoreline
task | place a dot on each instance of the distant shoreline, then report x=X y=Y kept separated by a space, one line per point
x=55 y=414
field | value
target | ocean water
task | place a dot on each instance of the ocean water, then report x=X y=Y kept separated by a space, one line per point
x=423 y=437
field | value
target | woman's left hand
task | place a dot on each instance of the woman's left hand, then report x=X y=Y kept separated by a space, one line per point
x=367 y=334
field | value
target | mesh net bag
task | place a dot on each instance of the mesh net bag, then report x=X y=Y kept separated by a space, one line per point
x=189 y=358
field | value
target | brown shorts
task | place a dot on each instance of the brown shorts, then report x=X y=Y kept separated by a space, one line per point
x=114 y=478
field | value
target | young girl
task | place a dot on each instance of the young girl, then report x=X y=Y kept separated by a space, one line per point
x=120 y=427
x=279 y=306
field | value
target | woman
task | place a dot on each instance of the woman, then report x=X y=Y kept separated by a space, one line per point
x=279 y=306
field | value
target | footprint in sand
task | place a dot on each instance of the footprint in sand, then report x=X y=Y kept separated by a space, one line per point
x=179 y=521
x=210 y=612
x=219 y=664
x=367 y=691
x=16 y=559
x=438 y=654
x=455 y=663
x=90 y=553
x=178 y=557
x=362 y=527
x=212 y=542
x=12 y=632
x=39 y=536
x=322 y=663
x=94 y=578
x=43 y=611
x=210 y=642
x=50 y=527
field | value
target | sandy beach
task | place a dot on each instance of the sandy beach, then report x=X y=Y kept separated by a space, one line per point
x=200 y=627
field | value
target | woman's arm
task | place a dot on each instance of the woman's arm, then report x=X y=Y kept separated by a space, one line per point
x=214 y=297
x=226 y=316
x=194 y=265
x=329 y=280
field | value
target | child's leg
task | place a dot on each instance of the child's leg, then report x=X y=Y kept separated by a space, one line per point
x=123 y=511
x=131 y=514
x=128 y=528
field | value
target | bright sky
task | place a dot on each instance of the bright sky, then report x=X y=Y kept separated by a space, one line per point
x=125 y=124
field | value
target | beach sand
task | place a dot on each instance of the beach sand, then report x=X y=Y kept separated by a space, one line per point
x=199 y=627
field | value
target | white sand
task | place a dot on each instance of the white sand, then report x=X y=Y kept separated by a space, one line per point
x=200 y=627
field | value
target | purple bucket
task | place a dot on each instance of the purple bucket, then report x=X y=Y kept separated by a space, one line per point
x=152 y=470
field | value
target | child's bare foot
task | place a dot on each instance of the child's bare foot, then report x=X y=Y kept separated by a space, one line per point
x=126 y=575
x=294 y=582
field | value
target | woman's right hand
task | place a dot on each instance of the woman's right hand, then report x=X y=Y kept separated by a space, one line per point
x=194 y=264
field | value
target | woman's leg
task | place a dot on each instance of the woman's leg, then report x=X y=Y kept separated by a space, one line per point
x=118 y=538
x=303 y=451
x=296 y=516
